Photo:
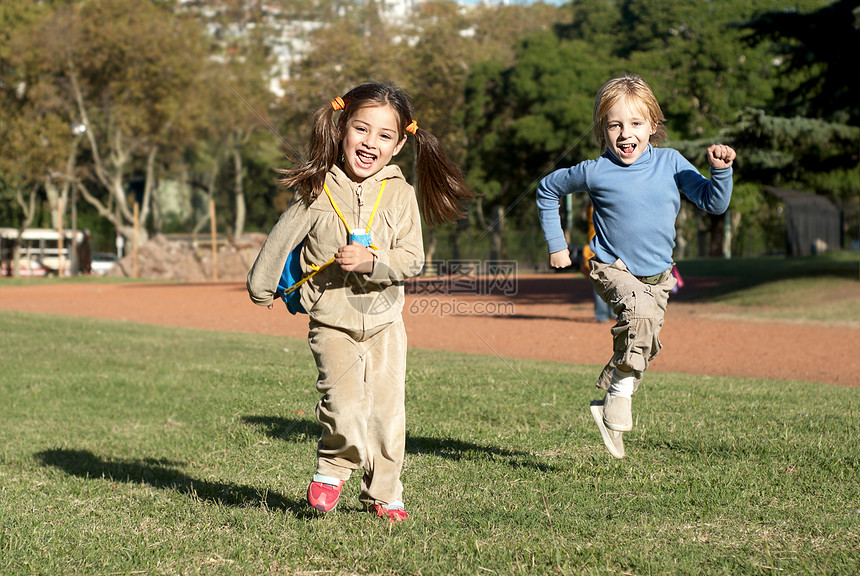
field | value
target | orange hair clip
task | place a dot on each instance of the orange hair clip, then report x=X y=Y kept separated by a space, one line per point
x=338 y=104
x=412 y=128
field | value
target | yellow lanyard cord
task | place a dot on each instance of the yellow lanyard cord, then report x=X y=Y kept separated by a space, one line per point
x=375 y=206
x=316 y=268
x=334 y=205
x=372 y=212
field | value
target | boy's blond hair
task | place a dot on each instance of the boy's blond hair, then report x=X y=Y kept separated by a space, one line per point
x=638 y=95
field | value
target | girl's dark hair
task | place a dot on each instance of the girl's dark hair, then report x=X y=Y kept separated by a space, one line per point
x=441 y=186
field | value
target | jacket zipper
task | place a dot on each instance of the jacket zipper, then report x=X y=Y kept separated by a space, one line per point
x=360 y=204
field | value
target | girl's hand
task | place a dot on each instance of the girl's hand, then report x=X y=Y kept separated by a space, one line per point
x=355 y=258
x=560 y=259
x=720 y=156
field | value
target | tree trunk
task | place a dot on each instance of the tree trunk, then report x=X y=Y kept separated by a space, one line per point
x=149 y=195
x=456 y=233
x=717 y=230
x=496 y=240
x=29 y=208
x=736 y=223
x=729 y=232
x=210 y=194
x=111 y=173
x=680 y=239
x=701 y=235
x=239 y=195
x=55 y=199
x=429 y=253
x=479 y=214
x=58 y=198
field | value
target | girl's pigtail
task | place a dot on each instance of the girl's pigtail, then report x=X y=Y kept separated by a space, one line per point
x=309 y=178
x=442 y=189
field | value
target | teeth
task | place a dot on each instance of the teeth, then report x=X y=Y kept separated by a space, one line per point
x=364 y=160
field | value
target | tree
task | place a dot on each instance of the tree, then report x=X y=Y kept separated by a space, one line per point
x=352 y=46
x=704 y=73
x=694 y=55
x=810 y=47
x=39 y=147
x=822 y=158
x=807 y=135
x=121 y=69
x=233 y=100
x=535 y=116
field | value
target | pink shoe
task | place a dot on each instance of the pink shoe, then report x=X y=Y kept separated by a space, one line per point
x=394 y=511
x=323 y=496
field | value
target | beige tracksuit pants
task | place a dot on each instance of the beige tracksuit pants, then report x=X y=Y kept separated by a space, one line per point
x=362 y=411
x=640 y=309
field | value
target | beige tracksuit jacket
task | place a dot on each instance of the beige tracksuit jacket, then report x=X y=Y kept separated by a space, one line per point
x=349 y=301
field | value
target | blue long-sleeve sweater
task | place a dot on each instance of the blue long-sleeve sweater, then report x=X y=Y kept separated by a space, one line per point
x=635 y=206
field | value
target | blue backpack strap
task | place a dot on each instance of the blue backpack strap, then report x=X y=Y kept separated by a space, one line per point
x=291 y=275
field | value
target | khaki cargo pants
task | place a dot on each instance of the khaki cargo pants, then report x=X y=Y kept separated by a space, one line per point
x=639 y=305
x=362 y=411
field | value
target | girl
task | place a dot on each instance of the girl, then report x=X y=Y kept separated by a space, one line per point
x=360 y=224
x=634 y=189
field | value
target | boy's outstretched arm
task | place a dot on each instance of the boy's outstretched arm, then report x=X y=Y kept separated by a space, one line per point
x=721 y=156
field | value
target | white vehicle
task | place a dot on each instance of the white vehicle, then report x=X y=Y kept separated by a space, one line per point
x=41 y=254
x=101 y=262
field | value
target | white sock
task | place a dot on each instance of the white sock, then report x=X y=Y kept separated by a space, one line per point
x=330 y=480
x=396 y=505
x=622 y=384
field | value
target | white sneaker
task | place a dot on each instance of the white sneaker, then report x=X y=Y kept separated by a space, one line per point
x=612 y=439
x=617 y=413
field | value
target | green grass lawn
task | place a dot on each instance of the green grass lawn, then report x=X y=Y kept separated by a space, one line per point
x=132 y=449
x=822 y=289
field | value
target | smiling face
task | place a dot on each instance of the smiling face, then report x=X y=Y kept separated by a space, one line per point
x=371 y=139
x=628 y=130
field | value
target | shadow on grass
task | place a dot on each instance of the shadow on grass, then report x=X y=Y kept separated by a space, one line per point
x=162 y=474
x=289 y=429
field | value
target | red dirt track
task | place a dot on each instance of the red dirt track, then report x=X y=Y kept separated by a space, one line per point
x=549 y=318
